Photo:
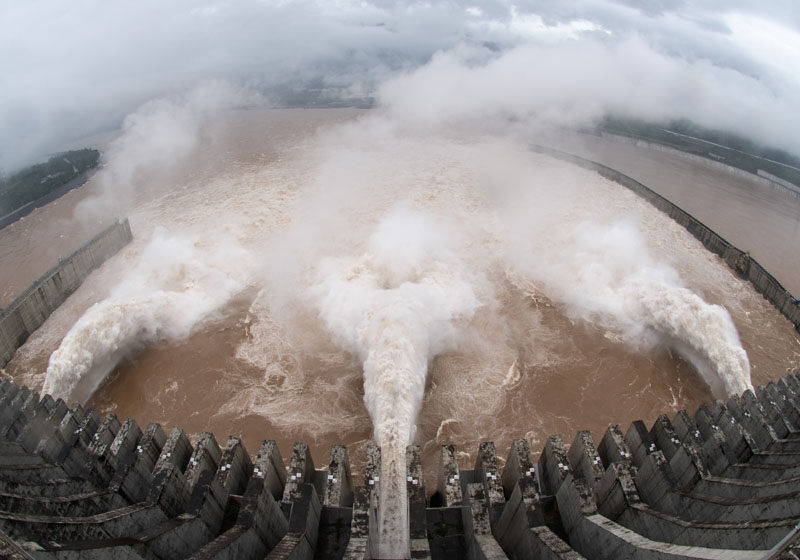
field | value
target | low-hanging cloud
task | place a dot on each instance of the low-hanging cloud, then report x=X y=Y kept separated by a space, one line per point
x=71 y=73
x=578 y=82
x=155 y=142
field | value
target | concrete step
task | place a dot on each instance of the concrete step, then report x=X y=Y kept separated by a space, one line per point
x=75 y=505
x=596 y=536
x=238 y=542
x=122 y=522
x=300 y=539
x=50 y=487
x=696 y=506
x=659 y=526
x=617 y=496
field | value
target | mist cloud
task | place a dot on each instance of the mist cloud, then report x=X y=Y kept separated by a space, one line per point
x=69 y=72
x=579 y=82
x=155 y=142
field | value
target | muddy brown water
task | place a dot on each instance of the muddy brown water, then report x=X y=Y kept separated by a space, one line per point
x=525 y=368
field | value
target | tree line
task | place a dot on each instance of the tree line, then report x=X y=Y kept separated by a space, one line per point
x=35 y=181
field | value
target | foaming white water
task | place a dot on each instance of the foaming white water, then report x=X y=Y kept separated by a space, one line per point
x=173 y=287
x=605 y=274
x=396 y=307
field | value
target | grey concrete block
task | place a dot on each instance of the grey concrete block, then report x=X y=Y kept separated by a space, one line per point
x=616 y=490
x=754 y=422
x=449 y=480
x=301 y=471
x=613 y=448
x=584 y=458
x=235 y=466
x=554 y=465
x=359 y=526
x=480 y=543
x=656 y=482
x=575 y=501
x=511 y=530
x=268 y=468
x=18 y=414
x=477 y=519
x=43 y=426
x=372 y=468
x=339 y=483
x=777 y=419
x=665 y=437
x=124 y=445
x=134 y=481
x=771 y=415
x=169 y=489
x=486 y=463
x=740 y=445
x=520 y=470
x=74 y=454
x=259 y=509
x=416 y=493
x=235 y=543
x=206 y=497
x=178 y=537
x=639 y=441
x=301 y=538
x=662 y=527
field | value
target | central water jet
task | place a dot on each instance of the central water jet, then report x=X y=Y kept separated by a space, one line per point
x=396 y=307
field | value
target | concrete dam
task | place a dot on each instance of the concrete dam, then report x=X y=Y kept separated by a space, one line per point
x=722 y=482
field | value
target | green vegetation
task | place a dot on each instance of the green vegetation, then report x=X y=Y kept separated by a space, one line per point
x=37 y=180
x=713 y=144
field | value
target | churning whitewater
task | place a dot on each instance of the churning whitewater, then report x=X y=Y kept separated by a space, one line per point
x=172 y=289
x=615 y=282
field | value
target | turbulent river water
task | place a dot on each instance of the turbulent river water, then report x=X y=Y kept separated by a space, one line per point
x=312 y=275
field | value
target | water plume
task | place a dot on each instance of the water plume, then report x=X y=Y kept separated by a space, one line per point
x=396 y=306
x=605 y=274
x=171 y=290
x=156 y=142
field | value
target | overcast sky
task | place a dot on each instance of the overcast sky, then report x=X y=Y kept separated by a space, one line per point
x=72 y=68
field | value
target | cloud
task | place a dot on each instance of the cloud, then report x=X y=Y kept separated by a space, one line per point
x=155 y=142
x=72 y=71
x=576 y=83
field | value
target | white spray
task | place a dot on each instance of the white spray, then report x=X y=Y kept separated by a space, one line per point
x=605 y=274
x=170 y=291
x=396 y=307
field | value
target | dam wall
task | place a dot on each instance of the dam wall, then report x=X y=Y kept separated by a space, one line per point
x=722 y=483
x=32 y=307
x=738 y=260
x=763 y=177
